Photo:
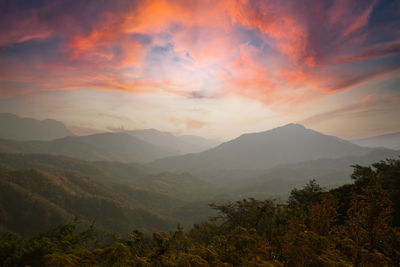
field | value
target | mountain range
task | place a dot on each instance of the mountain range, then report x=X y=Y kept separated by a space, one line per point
x=178 y=145
x=43 y=200
x=287 y=144
x=46 y=190
x=146 y=182
x=23 y=129
x=103 y=146
x=391 y=141
x=26 y=135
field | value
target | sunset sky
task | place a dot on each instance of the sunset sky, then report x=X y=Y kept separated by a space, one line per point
x=211 y=68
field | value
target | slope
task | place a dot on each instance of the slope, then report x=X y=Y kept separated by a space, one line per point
x=105 y=146
x=42 y=200
x=330 y=173
x=287 y=144
x=391 y=141
x=178 y=144
x=23 y=129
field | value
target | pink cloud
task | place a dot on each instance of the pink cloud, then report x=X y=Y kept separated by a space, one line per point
x=189 y=123
x=367 y=103
x=297 y=60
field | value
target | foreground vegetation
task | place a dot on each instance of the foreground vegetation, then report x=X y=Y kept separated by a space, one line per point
x=353 y=225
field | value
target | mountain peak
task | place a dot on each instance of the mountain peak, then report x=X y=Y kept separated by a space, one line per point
x=293 y=125
x=290 y=143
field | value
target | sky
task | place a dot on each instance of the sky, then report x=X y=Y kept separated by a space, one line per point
x=216 y=69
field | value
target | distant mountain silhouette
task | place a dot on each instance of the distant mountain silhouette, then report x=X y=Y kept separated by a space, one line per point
x=23 y=129
x=105 y=146
x=287 y=144
x=387 y=140
x=176 y=144
x=329 y=173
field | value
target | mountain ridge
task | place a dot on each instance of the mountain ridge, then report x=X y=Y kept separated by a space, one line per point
x=181 y=144
x=47 y=199
x=25 y=129
x=390 y=140
x=103 y=146
x=286 y=144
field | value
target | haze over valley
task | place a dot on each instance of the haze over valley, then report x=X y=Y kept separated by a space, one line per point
x=151 y=133
x=153 y=180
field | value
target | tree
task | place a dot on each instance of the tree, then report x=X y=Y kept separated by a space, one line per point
x=369 y=223
x=324 y=214
x=304 y=197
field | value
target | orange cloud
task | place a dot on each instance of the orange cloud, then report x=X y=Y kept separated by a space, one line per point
x=189 y=123
x=367 y=103
x=280 y=53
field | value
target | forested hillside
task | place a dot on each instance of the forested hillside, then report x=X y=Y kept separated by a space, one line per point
x=353 y=225
x=57 y=188
x=43 y=200
x=172 y=133
x=104 y=146
x=111 y=173
x=142 y=193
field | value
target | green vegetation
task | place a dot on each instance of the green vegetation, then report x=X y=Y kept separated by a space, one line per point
x=58 y=188
x=353 y=225
x=40 y=200
x=113 y=174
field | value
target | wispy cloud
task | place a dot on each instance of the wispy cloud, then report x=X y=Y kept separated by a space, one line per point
x=280 y=53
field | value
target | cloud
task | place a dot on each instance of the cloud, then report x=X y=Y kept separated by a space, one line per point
x=282 y=53
x=379 y=50
x=355 y=80
x=189 y=123
x=367 y=103
x=201 y=94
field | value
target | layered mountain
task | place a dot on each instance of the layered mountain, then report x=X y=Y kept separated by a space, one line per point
x=391 y=141
x=23 y=129
x=105 y=146
x=52 y=137
x=183 y=144
x=181 y=185
x=46 y=190
x=43 y=200
x=278 y=181
x=287 y=144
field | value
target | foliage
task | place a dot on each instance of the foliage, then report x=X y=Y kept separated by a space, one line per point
x=354 y=225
